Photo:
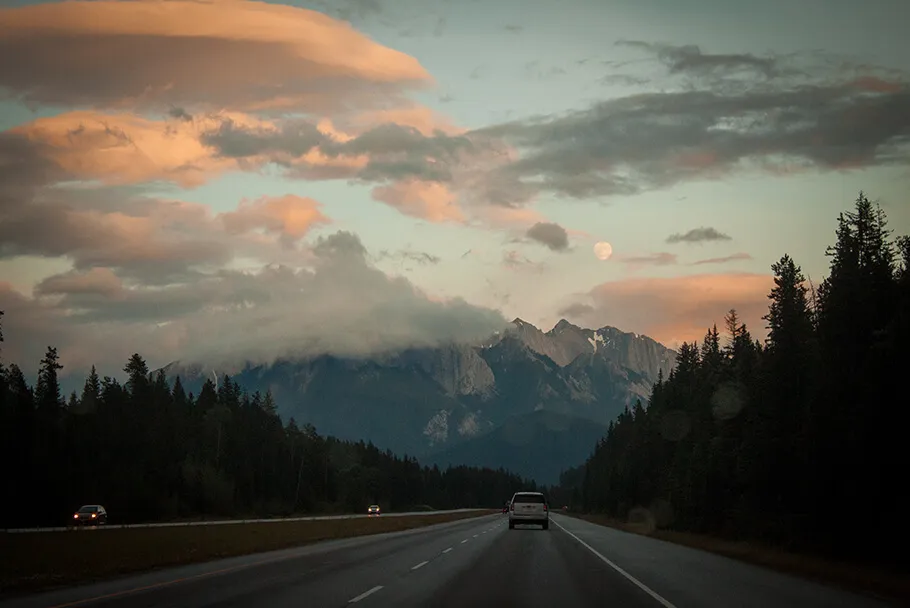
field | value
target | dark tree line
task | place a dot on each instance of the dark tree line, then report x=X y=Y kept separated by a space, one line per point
x=149 y=451
x=799 y=441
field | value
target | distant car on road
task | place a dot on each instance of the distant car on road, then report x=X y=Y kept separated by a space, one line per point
x=90 y=515
x=529 y=508
x=373 y=510
x=505 y=507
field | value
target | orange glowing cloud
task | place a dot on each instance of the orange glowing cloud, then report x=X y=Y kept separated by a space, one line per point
x=289 y=216
x=122 y=149
x=128 y=149
x=425 y=200
x=221 y=53
x=677 y=309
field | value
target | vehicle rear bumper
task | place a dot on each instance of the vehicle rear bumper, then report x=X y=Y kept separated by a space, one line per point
x=529 y=519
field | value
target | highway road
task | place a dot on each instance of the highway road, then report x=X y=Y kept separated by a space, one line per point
x=475 y=562
x=224 y=522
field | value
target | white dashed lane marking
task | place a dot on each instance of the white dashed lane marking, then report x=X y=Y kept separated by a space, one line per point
x=365 y=594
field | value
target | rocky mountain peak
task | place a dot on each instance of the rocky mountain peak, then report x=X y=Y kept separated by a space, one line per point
x=564 y=326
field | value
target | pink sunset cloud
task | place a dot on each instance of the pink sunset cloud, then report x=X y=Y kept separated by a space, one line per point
x=235 y=53
x=676 y=309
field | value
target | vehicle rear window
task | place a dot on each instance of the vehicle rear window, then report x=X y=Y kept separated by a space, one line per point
x=529 y=498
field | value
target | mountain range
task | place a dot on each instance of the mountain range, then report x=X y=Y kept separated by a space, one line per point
x=481 y=404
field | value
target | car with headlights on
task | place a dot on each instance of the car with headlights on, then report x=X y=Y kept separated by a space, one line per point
x=90 y=515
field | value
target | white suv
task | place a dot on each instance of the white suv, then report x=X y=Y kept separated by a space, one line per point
x=529 y=508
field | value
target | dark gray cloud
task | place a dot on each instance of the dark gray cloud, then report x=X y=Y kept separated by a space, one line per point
x=552 y=235
x=408 y=255
x=392 y=138
x=395 y=151
x=539 y=71
x=699 y=235
x=180 y=114
x=736 y=257
x=690 y=59
x=440 y=27
x=234 y=141
x=656 y=140
x=24 y=169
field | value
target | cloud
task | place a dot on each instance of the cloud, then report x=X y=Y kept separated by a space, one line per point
x=289 y=216
x=577 y=310
x=94 y=282
x=513 y=260
x=152 y=239
x=803 y=119
x=507 y=217
x=654 y=259
x=338 y=303
x=673 y=310
x=122 y=148
x=723 y=260
x=290 y=141
x=218 y=53
x=552 y=235
x=691 y=60
x=423 y=176
x=146 y=238
x=698 y=235
x=407 y=255
x=425 y=200
x=351 y=10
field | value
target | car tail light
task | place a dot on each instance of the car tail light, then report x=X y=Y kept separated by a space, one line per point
x=512 y=507
x=545 y=508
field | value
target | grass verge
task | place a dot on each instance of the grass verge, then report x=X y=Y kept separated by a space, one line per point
x=860 y=578
x=42 y=560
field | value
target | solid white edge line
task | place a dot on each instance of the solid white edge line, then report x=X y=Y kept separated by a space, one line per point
x=657 y=597
x=365 y=594
x=420 y=565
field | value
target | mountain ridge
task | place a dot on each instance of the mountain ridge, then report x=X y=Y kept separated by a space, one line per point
x=425 y=400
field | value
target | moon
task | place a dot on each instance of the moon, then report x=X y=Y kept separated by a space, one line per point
x=603 y=250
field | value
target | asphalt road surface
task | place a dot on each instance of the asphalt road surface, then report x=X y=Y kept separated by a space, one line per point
x=476 y=562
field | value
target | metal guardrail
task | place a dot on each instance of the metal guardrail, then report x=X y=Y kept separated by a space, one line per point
x=223 y=522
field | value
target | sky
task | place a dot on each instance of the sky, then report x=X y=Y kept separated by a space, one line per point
x=227 y=179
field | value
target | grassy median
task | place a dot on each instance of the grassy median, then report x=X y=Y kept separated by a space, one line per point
x=860 y=578
x=41 y=560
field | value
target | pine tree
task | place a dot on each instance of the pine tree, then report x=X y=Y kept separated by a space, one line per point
x=91 y=391
x=137 y=372
x=47 y=390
